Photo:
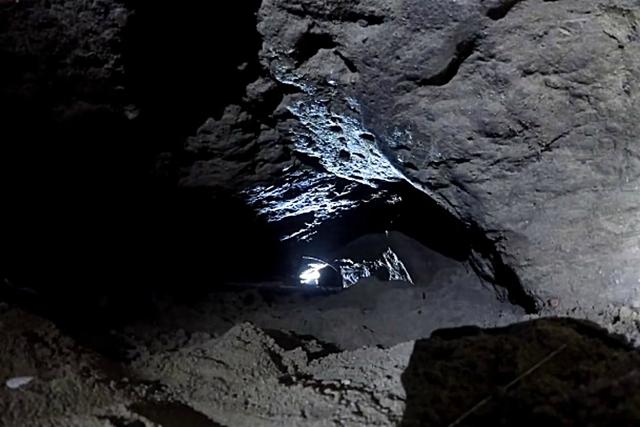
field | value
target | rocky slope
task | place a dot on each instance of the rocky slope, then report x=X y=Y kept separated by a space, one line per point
x=557 y=372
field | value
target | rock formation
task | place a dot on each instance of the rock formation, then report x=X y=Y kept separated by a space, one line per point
x=154 y=155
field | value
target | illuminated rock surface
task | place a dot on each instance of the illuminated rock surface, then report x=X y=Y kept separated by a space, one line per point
x=520 y=118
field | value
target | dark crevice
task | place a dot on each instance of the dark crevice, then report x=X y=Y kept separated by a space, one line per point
x=264 y=107
x=310 y=44
x=122 y=421
x=172 y=414
x=507 y=278
x=502 y=9
x=462 y=51
x=348 y=62
x=289 y=341
x=366 y=18
x=489 y=265
x=277 y=360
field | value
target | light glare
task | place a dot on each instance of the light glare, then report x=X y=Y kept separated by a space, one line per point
x=311 y=276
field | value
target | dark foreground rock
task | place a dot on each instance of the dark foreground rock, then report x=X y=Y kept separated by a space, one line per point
x=552 y=372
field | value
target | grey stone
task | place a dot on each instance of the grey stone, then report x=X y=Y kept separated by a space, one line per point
x=521 y=118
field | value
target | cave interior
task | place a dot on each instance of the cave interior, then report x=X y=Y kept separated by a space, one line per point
x=233 y=213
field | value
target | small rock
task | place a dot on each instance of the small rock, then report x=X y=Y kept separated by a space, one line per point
x=626 y=313
x=17 y=382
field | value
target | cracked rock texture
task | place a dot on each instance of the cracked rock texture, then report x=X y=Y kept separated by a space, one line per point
x=521 y=118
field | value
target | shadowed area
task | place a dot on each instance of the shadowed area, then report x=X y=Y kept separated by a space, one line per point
x=89 y=194
x=554 y=373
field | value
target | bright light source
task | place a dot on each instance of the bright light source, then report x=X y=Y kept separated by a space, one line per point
x=311 y=276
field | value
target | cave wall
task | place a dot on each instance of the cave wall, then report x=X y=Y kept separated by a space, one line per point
x=519 y=117
x=125 y=121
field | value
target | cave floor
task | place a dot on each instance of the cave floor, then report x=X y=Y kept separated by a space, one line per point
x=377 y=353
x=556 y=371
